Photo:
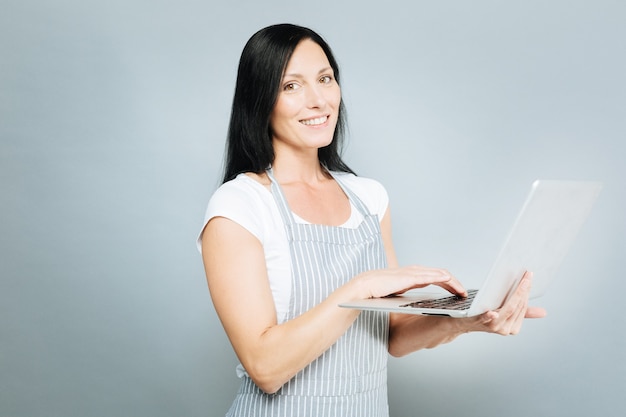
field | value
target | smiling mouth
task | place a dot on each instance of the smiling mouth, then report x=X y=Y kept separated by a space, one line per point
x=314 y=122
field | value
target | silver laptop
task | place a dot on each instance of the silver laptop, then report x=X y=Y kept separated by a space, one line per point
x=539 y=240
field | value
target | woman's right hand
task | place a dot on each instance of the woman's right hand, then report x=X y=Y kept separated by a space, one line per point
x=392 y=281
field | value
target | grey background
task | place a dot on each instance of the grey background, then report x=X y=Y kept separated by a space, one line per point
x=112 y=123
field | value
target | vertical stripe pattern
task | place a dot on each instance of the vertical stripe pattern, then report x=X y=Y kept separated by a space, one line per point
x=350 y=378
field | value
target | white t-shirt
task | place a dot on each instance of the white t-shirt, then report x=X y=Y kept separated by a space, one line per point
x=251 y=205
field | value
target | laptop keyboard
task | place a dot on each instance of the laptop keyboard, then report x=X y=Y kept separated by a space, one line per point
x=453 y=302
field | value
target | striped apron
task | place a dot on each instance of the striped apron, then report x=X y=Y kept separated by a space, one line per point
x=350 y=378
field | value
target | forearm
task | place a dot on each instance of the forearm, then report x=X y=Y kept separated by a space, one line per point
x=271 y=353
x=283 y=350
x=409 y=333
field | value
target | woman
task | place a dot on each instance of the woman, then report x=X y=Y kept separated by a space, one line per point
x=293 y=232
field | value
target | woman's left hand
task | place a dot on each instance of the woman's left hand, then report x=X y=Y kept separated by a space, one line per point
x=410 y=333
x=508 y=319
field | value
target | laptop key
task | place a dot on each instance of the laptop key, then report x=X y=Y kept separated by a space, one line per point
x=453 y=302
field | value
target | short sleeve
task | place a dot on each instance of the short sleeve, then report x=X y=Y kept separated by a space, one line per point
x=238 y=200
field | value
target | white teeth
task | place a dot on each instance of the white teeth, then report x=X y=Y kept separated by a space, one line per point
x=314 y=122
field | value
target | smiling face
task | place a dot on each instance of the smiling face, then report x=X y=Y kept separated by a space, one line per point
x=307 y=107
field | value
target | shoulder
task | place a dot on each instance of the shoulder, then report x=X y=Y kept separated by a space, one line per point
x=243 y=196
x=245 y=201
x=241 y=190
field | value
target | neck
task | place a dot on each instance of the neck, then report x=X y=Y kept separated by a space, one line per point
x=294 y=172
x=298 y=168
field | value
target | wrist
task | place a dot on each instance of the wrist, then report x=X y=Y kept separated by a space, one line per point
x=464 y=325
x=357 y=288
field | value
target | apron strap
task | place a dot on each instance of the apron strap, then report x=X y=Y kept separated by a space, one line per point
x=281 y=201
x=354 y=199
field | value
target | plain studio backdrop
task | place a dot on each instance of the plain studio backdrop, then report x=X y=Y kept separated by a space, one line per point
x=113 y=117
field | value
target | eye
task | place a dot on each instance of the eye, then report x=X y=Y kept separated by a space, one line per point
x=326 y=79
x=290 y=87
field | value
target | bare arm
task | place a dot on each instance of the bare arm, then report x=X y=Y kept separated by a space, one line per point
x=272 y=353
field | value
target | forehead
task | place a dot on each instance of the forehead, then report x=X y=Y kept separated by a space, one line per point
x=307 y=57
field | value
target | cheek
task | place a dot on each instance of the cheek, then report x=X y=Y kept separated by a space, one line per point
x=282 y=117
x=285 y=107
x=335 y=97
x=278 y=115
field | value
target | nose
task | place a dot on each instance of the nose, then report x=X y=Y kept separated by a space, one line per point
x=315 y=97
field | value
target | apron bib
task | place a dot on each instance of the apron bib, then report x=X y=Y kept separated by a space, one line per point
x=350 y=378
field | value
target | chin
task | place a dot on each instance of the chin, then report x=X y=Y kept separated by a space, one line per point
x=324 y=144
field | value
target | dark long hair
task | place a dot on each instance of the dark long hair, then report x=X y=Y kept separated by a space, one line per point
x=261 y=67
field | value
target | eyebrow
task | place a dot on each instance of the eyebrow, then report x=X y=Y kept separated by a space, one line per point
x=296 y=75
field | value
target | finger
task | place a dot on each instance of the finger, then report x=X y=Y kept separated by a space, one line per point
x=489 y=317
x=400 y=280
x=516 y=324
x=535 y=313
x=414 y=276
x=517 y=318
x=453 y=286
x=520 y=296
x=422 y=276
x=448 y=282
x=436 y=274
x=515 y=309
x=511 y=310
